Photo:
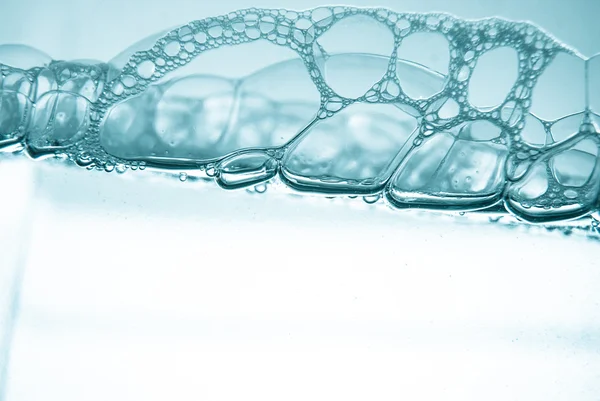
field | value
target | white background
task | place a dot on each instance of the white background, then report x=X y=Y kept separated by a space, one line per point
x=155 y=289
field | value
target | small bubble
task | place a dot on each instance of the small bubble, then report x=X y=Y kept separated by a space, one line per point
x=121 y=168
x=211 y=172
x=84 y=161
x=267 y=24
x=432 y=22
x=128 y=81
x=370 y=199
x=190 y=47
x=403 y=26
x=463 y=73
x=146 y=69
x=172 y=48
x=183 y=177
x=253 y=33
x=118 y=89
x=261 y=188
x=185 y=33
x=215 y=31
x=201 y=37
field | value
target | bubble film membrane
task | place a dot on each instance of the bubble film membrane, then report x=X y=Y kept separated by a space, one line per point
x=426 y=111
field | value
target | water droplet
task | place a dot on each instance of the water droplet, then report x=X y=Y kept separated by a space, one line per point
x=211 y=171
x=370 y=199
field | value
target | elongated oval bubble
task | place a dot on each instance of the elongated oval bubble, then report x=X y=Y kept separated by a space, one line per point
x=426 y=111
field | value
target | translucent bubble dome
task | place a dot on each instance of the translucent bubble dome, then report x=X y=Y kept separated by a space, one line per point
x=426 y=111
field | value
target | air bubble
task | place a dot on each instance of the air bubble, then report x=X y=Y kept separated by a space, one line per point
x=403 y=26
x=128 y=81
x=146 y=69
x=304 y=32
x=463 y=73
x=432 y=22
x=172 y=48
x=118 y=88
x=322 y=16
x=215 y=31
x=570 y=193
x=189 y=47
x=371 y=199
x=334 y=104
x=246 y=170
x=251 y=19
x=260 y=188
x=267 y=24
x=494 y=75
x=511 y=113
x=253 y=33
x=201 y=37
x=449 y=109
x=185 y=34
x=390 y=89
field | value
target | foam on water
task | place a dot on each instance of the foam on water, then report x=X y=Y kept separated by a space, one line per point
x=425 y=110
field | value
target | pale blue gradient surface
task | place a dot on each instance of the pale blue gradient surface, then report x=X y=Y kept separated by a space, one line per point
x=156 y=289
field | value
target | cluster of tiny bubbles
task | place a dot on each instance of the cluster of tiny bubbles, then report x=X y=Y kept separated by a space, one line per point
x=63 y=107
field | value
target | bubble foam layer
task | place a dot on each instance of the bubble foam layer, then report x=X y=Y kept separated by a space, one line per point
x=425 y=110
